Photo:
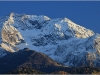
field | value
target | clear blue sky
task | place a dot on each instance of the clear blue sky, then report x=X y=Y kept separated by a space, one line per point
x=85 y=13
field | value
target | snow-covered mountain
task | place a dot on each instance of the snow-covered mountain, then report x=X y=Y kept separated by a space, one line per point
x=61 y=39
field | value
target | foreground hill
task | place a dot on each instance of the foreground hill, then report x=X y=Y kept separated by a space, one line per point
x=32 y=61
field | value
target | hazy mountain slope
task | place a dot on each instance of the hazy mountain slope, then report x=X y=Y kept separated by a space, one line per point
x=60 y=39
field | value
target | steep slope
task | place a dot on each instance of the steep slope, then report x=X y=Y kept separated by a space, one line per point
x=60 y=39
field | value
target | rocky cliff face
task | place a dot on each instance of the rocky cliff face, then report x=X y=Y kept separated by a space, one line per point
x=60 y=39
x=10 y=36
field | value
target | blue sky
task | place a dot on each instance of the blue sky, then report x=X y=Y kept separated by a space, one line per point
x=85 y=13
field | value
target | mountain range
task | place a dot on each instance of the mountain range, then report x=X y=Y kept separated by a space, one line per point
x=60 y=39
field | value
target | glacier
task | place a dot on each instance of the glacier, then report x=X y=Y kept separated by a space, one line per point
x=61 y=39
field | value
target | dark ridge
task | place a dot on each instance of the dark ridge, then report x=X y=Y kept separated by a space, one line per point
x=27 y=59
